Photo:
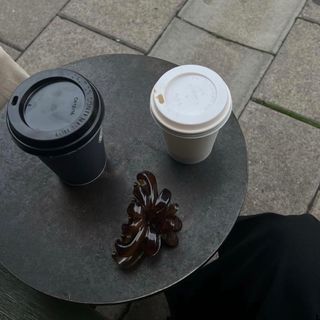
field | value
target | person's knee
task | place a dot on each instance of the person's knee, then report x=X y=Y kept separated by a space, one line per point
x=295 y=239
x=294 y=229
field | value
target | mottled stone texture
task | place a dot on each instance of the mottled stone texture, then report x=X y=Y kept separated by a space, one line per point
x=11 y=52
x=139 y=23
x=259 y=24
x=312 y=11
x=240 y=67
x=315 y=210
x=283 y=159
x=22 y=21
x=293 y=80
x=63 y=42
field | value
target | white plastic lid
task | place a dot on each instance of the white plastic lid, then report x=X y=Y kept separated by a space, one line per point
x=190 y=99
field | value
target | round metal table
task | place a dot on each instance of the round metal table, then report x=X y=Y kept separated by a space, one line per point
x=59 y=239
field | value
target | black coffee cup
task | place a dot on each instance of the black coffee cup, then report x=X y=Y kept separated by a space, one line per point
x=57 y=115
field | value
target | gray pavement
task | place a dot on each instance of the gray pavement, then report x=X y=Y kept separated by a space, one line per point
x=259 y=24
x=241 y=67
x=63 y=41
x=267 y=51
x=137 y=23
x=284 y=160
x=292 y=81
x=12 y=52
x=311 y=11
x=315 y=209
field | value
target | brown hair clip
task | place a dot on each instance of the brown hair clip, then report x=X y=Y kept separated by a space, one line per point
x=151 y=220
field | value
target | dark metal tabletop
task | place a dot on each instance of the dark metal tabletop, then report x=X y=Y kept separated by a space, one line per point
x=59 y=239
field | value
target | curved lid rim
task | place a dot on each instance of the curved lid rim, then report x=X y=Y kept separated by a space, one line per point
x=51 y=139
x=193 y=129
x=186 y=82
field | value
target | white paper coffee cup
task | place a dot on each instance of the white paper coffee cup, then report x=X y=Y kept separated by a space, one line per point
x=191 y=104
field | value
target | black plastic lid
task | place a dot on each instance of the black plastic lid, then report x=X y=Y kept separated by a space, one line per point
x=54 y=112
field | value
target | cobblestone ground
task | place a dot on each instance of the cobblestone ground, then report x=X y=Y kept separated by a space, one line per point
x=267 y=51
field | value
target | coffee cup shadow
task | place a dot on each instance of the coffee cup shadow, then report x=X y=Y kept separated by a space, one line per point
x=99 y=201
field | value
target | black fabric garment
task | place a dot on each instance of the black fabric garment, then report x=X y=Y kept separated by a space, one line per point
x=268 y=268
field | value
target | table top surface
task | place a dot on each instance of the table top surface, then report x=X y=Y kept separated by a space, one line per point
x=59 y=239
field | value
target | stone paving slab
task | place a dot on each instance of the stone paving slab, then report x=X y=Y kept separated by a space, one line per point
x=241 y=67
x=137 y=22
x=293 y=80
x=10 y=51
x=316 y=207
x=312 y=10
x=22 y=21
x=259 y=24
x=283 y=161
x=155 y=308
x=63 y=42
